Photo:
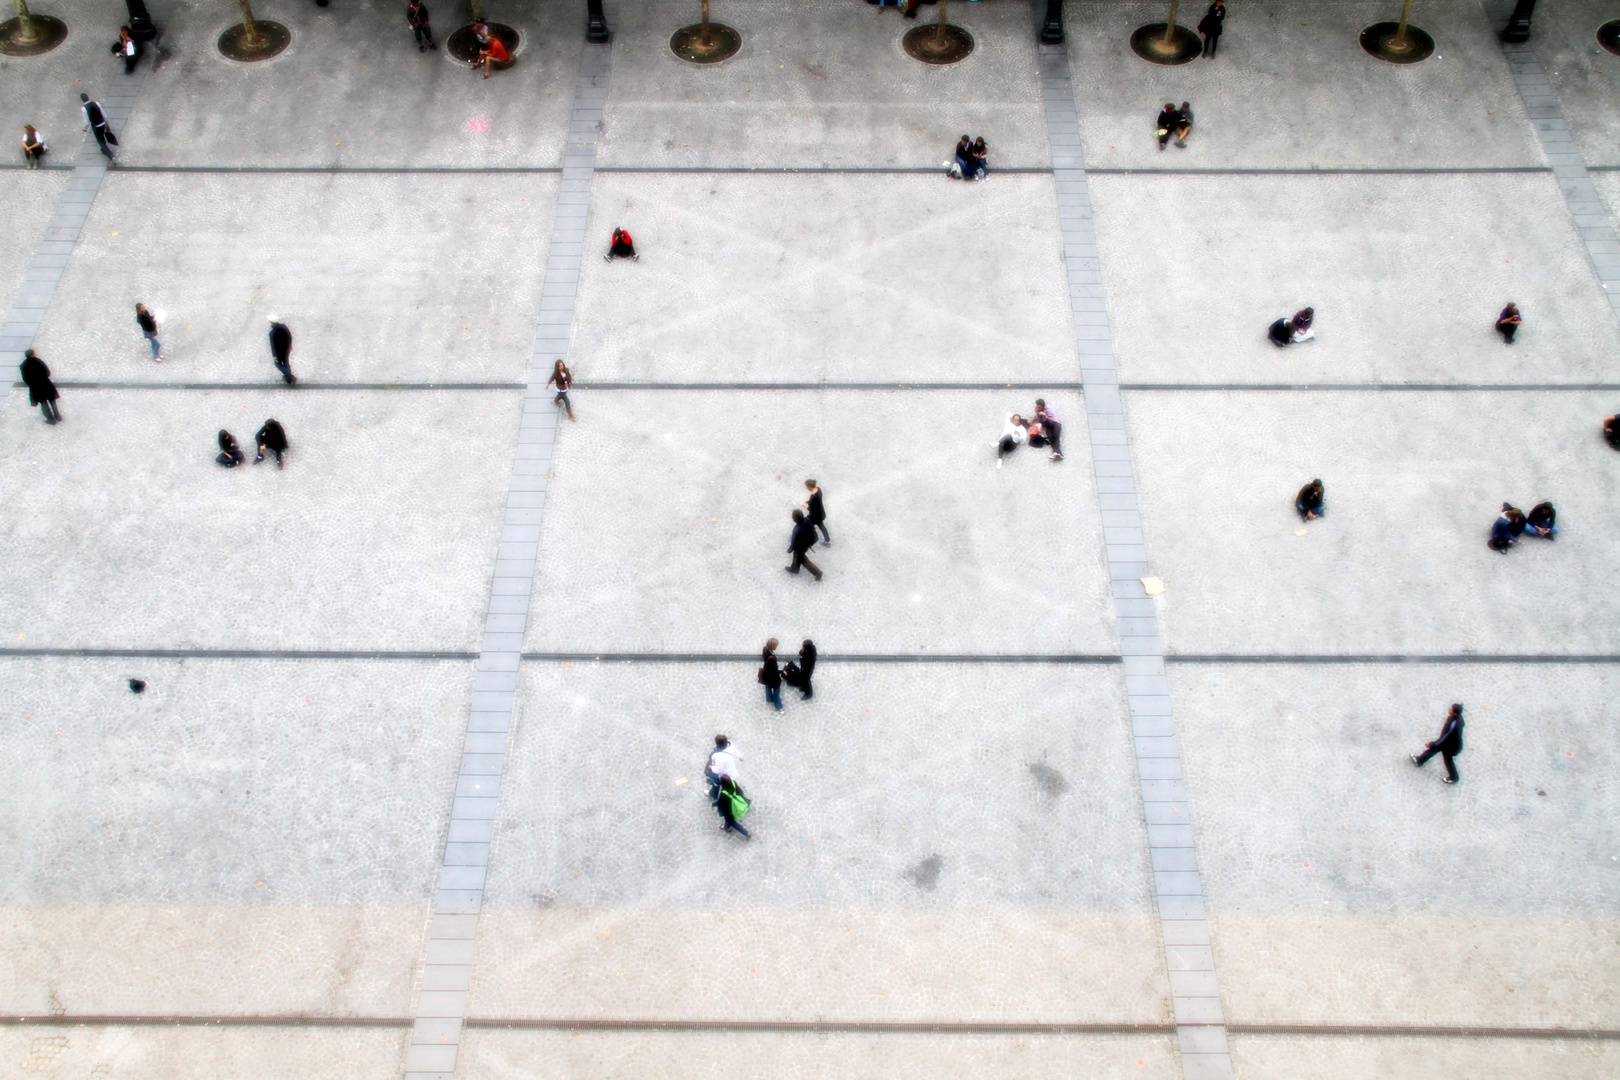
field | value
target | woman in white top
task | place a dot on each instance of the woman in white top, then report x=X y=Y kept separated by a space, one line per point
x=1012 y=437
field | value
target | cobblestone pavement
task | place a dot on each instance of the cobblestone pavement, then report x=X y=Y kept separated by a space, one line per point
x=415 y=783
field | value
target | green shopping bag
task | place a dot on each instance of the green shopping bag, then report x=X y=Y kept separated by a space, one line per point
x=739 y=803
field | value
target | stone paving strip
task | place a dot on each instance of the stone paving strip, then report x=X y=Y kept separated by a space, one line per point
x=1177 y=885
x=44 y=271
x=458 y=898
x=1592 y=219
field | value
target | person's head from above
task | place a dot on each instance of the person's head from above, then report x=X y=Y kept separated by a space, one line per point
x=1169 y=106
x=808 y=646
x=28 y=354
x=1186 y=106
x=1019 y=420
x=1316 y=486
x=1040 y=405
x=966 y=140
x=1506 y=507
x=28 y=129
x=84 y=97
x=978 y=144
x=1512 y=308
x=771 y=645
x=798 y=516
x=140 y=309
x=810 y=484
x=559 y=368
x=721 y=742
x=1308 y=314
x=1456 y=709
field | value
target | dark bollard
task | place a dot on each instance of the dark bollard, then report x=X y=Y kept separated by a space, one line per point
x=1517 y=30
x=1052 y=28
x=596 y=27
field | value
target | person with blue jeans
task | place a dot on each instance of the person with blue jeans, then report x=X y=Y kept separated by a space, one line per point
x=1540 y=521
x=771 y=675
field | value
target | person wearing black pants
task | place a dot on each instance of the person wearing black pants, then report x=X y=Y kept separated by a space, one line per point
x=41 y=391
x=817 y=511
x=281 y=350
x=1448 y=745
x=1210 y=27
x=728 y=788
x=96 y=121
x=770 y=675
x=802 y=540
x=271 y=437
x=1051 y=428
x=416 y=17
x=807 y=667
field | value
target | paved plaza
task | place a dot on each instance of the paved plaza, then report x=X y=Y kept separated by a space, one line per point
x=415 y=786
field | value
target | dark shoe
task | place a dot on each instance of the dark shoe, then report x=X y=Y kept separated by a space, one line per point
x=435 y=48
x=421 y=48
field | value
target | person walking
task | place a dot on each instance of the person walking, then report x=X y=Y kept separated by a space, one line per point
x=564 y=380
x=148 y=325
x=770 y=676
x=230 y=455
x=723 y=762
x=281 y=349
x=33 y=146
x=817 y=511
x=416 y=17
x=807 y=668
x=728 y=802
x=1507 y=323
x=95 y=121
x=41 y=391
x=1448 y=745
x=1210 y=27
x=271 y=437
x=802 y=540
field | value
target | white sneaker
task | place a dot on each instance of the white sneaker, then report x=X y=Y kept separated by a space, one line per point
x=998 y=463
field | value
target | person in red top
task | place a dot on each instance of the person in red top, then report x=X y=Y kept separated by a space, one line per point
x=493 y=52
x=623 y=247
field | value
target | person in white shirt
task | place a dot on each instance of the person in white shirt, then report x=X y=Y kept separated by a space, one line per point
x=723 y=762
x=1012 y=436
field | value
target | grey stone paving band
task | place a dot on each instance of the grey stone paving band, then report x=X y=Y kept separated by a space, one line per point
x=459 y=894
x=44 y=271
x=1177 y=885
x=1592 y=218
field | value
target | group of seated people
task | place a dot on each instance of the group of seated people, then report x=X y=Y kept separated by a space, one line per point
x=491 y=49
x=1289 y=331
x=971 y=160
x=271 y=437
x=1041 y=429
x=1176 y=122
x=1513 y=525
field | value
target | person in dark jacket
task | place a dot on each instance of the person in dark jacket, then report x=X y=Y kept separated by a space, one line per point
x=961 y=163
x=230 y=455
x=1507 y=528
x=771 y=675
x=281 y=349
x=807 y=668
x=271 y=437
x=1210 y=27
x=1541 y=521
x=41 y=391
x=1611 y=431
x=1308 y=503
x=1169 y=117
x=817 y=511
x=1507 y=323
x=802 y=540
x=416 y=17
x=728 y=788
x=148 y=325
x=1448 y=745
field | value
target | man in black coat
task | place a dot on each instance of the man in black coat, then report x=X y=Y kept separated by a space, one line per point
x=271 y=437
x=41 y=391
x=281 y=349
x=1448 y=745
x=802 y=540
x=1210 y=27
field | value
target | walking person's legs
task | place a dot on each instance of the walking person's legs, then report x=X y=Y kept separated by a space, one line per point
x=773 y=697
x=1451 y=768
x=49 y=409
x=157 y=346
x=1422 y=759
x=284 y=365
x=101 y=140
x=826 y=537
x=562 y=399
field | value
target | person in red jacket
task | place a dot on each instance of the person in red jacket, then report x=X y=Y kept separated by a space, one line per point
x=622 y=247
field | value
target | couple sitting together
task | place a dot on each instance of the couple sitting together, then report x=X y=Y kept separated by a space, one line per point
x=1292 y=331
x=1512 y=525
x=971 y=160
x=1042 y=429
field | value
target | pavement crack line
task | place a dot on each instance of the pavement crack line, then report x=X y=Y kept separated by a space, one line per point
x=446 y=973
x=1177 y=884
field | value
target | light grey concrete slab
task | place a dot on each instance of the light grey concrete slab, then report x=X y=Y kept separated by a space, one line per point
x=352 y=90
x=1417 y=309
x=494 y=1054
x=1269 y=1057
x=1584 y=77
x=922 y=843
x=242 y=837
x=934 y=549
x=380 y=278
x=802 y=278
x=787 y=99
x=199 y=1053
x=1346 y=886
x=30 y=199
x=1291 y=87
x=1399 y=564
x=380 y=532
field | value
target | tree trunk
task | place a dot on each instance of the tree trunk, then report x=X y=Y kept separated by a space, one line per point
x=475 y=8
x=939 y=30
x=1399 y=40
x=250 y=28
x=704 y=37
x=1170 y=24
x=28 y=30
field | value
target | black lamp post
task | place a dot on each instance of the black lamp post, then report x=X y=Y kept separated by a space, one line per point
x=1052 y=28
x=1518 y=25
x=596 y=27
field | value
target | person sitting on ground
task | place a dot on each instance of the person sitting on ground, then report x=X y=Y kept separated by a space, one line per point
x=33 y=146
x=273 y=438
x=1300 y=325
x=1184 y=123
x=1051 y=428
x=230 y=455
x=981 y=159
x=1611 y=431
x=961 y=164
x=622 y=247
x=1507 y=528
x=1308 y=503
x=1540 y=522
x=1013 y=434
x=1169 y=117
x=1507 y=323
